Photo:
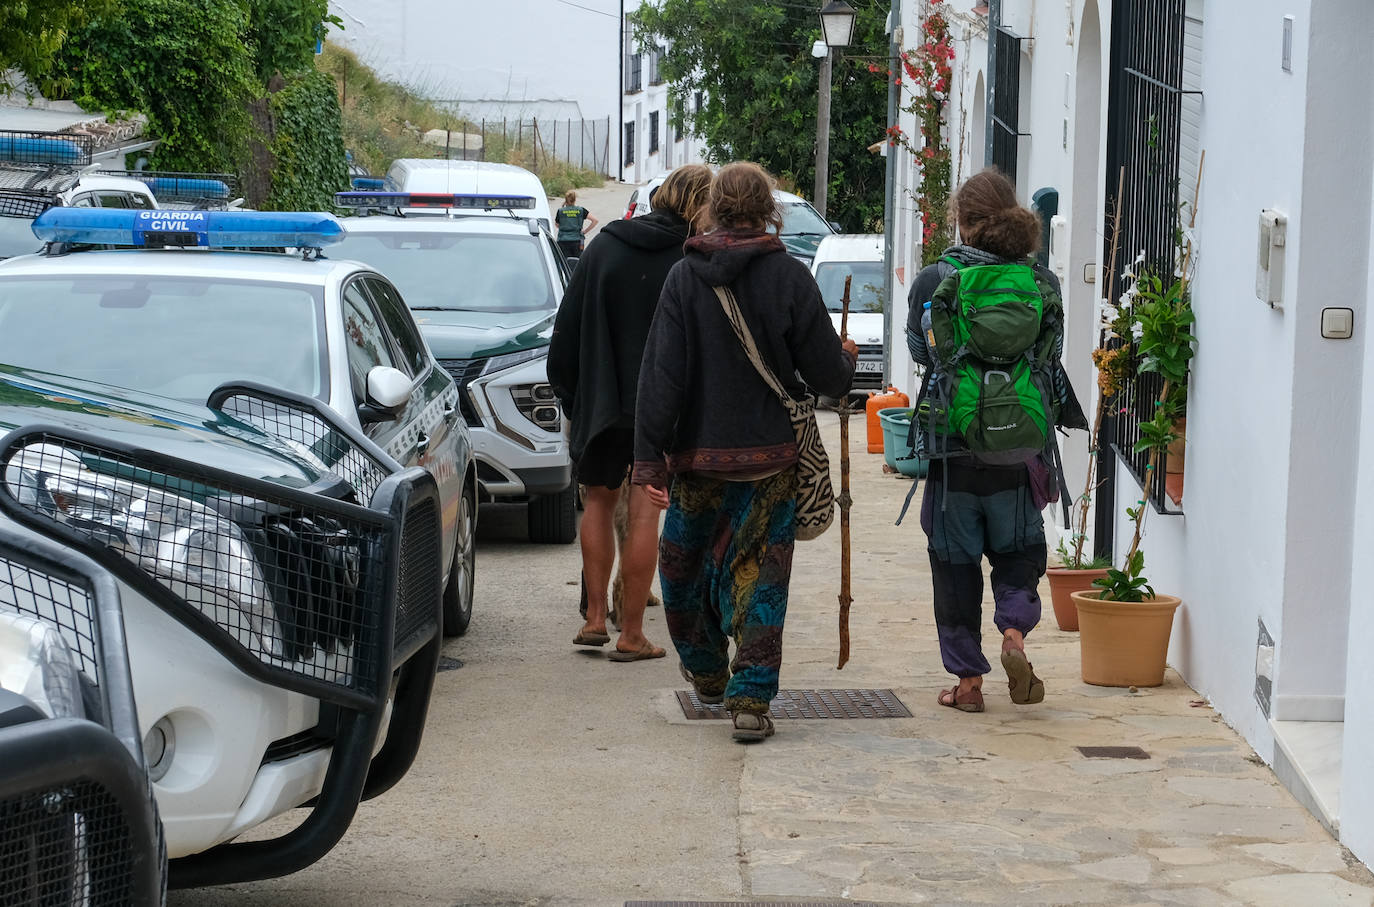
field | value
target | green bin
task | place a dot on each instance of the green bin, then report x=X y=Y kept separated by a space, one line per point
x=896 y=424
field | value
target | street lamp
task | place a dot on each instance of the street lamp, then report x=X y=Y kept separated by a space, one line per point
x=837 y=25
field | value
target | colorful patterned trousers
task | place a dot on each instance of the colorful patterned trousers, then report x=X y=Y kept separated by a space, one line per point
x=725 y=560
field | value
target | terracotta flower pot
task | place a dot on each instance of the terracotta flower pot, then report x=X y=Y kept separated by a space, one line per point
x=1063 y=582
x=1124 y=644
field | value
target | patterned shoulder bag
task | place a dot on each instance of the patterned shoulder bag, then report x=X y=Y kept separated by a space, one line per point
x=815 y=496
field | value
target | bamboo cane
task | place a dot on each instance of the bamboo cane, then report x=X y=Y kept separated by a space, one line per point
x=844 y=500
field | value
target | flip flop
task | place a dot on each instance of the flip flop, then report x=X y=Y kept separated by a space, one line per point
x=587 y=638
x=648 y=651
x=969 y=701
x=1026 y=688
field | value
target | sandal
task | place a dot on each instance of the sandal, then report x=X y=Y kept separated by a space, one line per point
x=649 y=650
x=967 y=701
x=589 y=638
x=702 y=696
x=751 y=727
x=1026 y=688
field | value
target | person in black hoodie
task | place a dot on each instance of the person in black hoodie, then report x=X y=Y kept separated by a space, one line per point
x=594 y=356
x=710 y=428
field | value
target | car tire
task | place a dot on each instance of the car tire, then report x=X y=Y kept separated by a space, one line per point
x=458 y=593
x=553 y=517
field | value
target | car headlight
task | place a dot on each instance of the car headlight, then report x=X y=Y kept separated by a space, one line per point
x=538 y=403
x=191 y=549
x=36 y=663
x=507 y=360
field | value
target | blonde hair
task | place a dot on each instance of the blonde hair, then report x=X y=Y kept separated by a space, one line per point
x=742 y=198
x=570 y=197
x=685 y=193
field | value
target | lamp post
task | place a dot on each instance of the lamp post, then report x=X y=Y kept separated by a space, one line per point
x=837 y=28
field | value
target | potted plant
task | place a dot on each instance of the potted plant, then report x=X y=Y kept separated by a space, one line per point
x=1124 y=624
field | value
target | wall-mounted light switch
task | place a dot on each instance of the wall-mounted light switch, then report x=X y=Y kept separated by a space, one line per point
x=1338 y=324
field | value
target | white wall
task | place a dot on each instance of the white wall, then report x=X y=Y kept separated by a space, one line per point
x=514 y=50
x=1357 y=794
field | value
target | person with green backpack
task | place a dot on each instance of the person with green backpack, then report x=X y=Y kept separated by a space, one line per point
x=987 y=326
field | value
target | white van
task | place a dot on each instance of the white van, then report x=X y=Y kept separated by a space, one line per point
x=859 y=255
x=439 y=177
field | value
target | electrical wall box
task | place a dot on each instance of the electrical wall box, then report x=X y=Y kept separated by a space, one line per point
x=1059 y=247
x=1273 y=241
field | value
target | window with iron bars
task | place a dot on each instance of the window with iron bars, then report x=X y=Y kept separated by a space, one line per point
x=1143 y=151
x=634 y=73
x=629 y=144
x=1005 y=101
x=653 y=132
x=656 y=65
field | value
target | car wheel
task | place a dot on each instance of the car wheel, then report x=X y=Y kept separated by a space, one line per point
x=553 y=517
x=458 y=592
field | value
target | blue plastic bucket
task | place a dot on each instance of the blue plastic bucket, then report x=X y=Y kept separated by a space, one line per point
x=896 y=424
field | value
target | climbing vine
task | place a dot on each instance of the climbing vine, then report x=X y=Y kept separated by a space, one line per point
x=308 y=145
x=928 y=78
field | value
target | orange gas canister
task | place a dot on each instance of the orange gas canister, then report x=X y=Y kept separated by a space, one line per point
x=892 y=398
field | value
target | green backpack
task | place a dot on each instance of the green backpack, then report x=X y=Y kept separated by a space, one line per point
x=996 y=330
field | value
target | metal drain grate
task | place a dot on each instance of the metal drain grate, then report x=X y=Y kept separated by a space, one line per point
x=1113 y=752
x=448 y=664
x=810 y=704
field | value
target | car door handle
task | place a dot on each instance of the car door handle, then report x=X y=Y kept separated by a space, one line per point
x=422 y=443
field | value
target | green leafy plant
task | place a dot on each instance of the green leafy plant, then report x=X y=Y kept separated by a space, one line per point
x=1126 y=585
x=751 y=61
x=307 y=146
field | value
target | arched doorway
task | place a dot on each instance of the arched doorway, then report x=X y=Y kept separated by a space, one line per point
x=1085 y=242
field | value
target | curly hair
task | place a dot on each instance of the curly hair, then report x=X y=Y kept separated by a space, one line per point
x=990 y=218
x=742 y=198
x=685 y=193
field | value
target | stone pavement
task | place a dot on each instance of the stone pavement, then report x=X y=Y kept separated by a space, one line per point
x=999 y=807
x=550 y=776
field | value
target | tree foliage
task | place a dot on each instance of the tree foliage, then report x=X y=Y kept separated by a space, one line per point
x=751 y=60
x=32 y=31
x=282 y=34
x=183 y=63
x=308 y=146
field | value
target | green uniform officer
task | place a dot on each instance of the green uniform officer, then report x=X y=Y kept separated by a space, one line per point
x=574 y=223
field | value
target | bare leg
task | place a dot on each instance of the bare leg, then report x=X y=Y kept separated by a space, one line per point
x=598 y=552
x=638 y=559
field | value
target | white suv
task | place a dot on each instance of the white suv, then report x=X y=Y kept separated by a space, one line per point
x=859 y=256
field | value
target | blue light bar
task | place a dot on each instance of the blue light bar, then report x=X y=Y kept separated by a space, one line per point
x=39 y=150
x=208 y=229
x=432 y=200
x=368 y=183
x=187 y=187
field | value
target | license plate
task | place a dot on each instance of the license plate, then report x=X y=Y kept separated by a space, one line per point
x=869 y=366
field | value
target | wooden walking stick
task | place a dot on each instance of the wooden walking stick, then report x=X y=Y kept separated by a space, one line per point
x=844 y=501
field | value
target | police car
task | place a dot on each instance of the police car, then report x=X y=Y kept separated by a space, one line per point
x=42 y=170
x=484 y=290
x=261 y=449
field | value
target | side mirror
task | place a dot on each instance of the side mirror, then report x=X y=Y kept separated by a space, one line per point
x=388 y=391
x=834 y=225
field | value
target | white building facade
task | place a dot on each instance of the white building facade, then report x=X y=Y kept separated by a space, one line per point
x=649 y=144
x=1266 y=548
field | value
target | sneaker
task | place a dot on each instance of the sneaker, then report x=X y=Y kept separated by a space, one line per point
x=704 y=698
x=752 y=726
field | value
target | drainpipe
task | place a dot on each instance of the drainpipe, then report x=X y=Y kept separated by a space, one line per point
x=890 y=335
x=994 y=22
x=620 y=99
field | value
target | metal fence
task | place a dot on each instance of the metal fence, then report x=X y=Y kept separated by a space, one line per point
x=534 y=143
x=1143 y=139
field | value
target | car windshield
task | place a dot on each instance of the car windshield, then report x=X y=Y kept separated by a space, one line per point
x=800 y=219
x=176 y=337
x=16 y=237
x=866 y=292
x=460 y=272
